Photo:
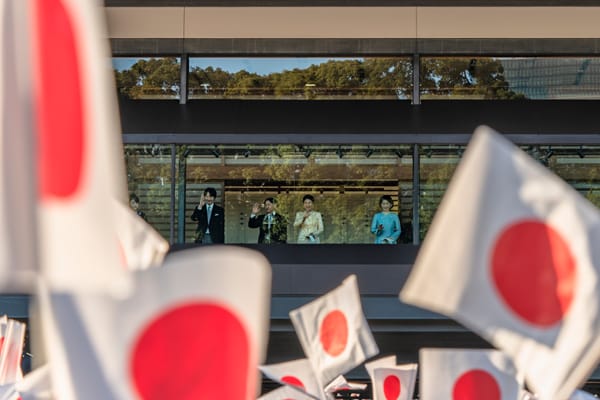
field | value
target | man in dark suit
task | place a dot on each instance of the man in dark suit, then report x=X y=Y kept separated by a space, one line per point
x=272 y=225
x=210 y=218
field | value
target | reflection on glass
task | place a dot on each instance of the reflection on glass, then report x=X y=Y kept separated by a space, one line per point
x=300 y=78
x=149 y=183
x=579 y=166
x=346 y=182
x=437 y=165
x=504 y=78
x=147 y=78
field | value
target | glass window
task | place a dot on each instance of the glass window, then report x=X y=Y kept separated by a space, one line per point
x=300 y=78
x=502 y=78
x=149 y=182
x=148 y=78
x=346 y=182
x=437 y=165
x=579 y=166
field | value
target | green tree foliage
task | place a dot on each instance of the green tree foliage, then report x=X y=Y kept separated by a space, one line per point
x=358 y=78
x=464 y=77
x=154 y=77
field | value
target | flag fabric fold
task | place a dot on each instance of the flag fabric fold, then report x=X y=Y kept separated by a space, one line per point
x=512 y=254
x=334 y=332
x=142 y=246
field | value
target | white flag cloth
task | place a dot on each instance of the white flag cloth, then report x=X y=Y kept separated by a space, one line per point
x=467 y=374
x=581 y=395
x=394 y=383
x=382 y=362
x=285 y=393
x=36 y=385
x=296 y=373
x=79 y=151
x=18 y=238
x=333 y=331
x=513 y=254
x=8 y=392
x=143 y=247
x=194 y=329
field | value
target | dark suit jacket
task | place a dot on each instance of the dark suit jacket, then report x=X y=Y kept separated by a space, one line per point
x=216 y=227
x=278 y=228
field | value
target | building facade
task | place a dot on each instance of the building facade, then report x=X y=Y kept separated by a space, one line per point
x=346 y=100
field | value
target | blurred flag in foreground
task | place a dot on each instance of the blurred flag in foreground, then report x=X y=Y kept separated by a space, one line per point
x=513 y=254
x=581 y=395
x=194 y=329
x=36 y=385
x=467 y=375
x=18 y=237
x=333 y=331
x=79 y=163
x=297 y=373
x=394 y=383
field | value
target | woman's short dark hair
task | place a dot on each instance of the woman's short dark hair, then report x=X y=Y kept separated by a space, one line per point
x=210 y=191
x=308 y=197
x=271 y=200
x=388 y=198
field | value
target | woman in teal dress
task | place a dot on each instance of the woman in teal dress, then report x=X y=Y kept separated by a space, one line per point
x=386 y=224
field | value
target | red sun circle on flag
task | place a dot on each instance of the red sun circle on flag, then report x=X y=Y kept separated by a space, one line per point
x=60 y=103
x=193 y=351
x=534 y=272
x=476 y=384
x=292 y=380
x=333 y=333
x=392 y=387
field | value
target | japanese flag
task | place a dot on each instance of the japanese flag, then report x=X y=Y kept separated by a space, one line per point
x=11 y=350
x=297 y=373
x=513 y=255
x=18 y=237
x=394 y=383
x=285 y=393
x=467 y=375
x=382 y=362
x=333 y=331
x=194 y=329
x=79 y=162
x=142 y=246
